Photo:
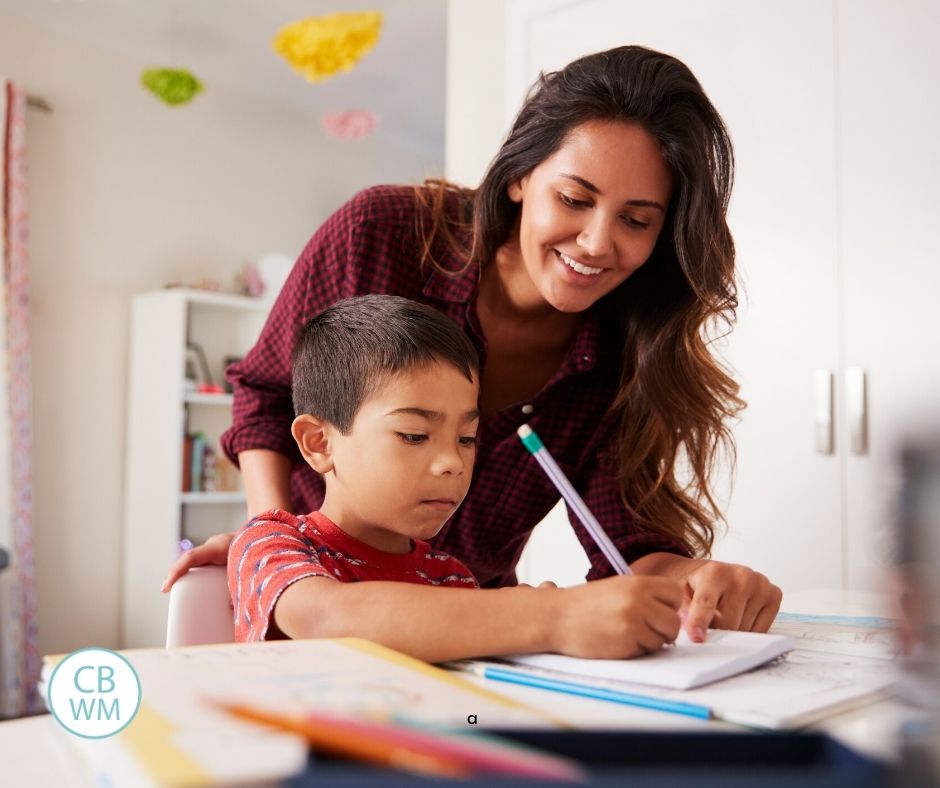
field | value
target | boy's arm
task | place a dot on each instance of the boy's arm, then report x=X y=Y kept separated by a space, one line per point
x=612 y=618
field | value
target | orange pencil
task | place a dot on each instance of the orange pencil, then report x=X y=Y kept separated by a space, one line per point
x=338 y=737
x=417 y=749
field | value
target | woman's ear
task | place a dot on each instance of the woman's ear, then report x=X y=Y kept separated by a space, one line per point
x=312 y=436
x=514 y=191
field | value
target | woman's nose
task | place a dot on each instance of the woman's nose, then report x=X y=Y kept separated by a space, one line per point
x=596 y=237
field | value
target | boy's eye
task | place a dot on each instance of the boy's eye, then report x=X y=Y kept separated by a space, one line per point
x=468 y=440
x=412 y=438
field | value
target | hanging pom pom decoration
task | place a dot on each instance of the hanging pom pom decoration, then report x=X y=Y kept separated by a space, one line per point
x=319 y=47
x=353 y=124
x=174 y=86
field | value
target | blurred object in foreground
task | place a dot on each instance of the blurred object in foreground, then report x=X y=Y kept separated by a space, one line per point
x=918 y=514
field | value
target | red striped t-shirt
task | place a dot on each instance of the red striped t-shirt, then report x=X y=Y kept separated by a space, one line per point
x=277 y=548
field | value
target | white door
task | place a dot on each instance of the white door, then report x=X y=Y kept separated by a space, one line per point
x=768 y=68
x=889 y=67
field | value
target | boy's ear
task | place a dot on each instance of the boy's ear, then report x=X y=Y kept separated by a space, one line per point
x=313 y=440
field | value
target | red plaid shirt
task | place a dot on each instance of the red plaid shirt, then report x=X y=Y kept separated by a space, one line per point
x=369 y=246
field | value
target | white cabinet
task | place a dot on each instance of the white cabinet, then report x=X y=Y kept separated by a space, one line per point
x=834 y=216
x=889 y=230
x=162 y=409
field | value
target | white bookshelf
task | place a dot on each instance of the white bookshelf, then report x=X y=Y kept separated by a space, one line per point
x=200 y=398
x=158 y=512
x=215 y=496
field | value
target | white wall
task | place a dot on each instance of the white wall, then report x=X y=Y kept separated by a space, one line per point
x=475 y=118
x=125 y=195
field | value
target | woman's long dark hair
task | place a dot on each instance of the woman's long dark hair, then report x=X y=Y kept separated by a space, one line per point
x=675 y=400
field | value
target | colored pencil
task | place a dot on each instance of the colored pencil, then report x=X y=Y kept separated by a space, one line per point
x=414 y=749
x=537 y=449
x=529 y=679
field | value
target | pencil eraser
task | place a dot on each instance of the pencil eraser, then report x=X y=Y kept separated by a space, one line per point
x=529 y=439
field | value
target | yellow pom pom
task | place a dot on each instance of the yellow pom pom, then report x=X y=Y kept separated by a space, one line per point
x=319 y=47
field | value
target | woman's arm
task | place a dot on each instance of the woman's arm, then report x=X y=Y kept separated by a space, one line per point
x=267 y=480
x=613 y=618
x=267 y=486
x=718 y=595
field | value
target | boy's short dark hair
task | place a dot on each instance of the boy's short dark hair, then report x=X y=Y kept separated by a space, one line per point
x=346 y=352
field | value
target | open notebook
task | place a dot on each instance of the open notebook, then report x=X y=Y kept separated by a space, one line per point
x=833 y=665
x=682 y=666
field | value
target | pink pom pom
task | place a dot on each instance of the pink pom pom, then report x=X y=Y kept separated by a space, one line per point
x=349 y=125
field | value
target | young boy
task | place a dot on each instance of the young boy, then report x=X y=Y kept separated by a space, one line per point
x=385 y=391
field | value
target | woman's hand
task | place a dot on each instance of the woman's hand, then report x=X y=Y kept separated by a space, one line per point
x=728 y=596
x=213 y=551
x=718 y=595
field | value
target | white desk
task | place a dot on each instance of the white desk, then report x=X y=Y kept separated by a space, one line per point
x=871 y=729
x=34 y=751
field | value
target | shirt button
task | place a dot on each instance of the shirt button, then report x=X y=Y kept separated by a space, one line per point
x=585 y=358
x=527 y=409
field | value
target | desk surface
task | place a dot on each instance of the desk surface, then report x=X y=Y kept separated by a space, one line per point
x=34 y=752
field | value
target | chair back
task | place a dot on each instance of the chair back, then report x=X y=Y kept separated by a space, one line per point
x=200 y=609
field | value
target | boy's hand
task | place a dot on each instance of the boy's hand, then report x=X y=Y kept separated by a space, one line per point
x=617 y=617
x=213 y=551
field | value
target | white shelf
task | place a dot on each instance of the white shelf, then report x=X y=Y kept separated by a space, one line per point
x=236 y=496
x=160 y=411
x=201 y=398
x=210 y=298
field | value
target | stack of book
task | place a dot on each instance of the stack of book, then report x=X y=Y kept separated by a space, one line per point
x=204 y=468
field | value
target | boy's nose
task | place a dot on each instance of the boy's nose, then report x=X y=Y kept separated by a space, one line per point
x=447 y=461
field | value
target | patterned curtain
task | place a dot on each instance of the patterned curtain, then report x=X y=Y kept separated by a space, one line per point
x=19 y=653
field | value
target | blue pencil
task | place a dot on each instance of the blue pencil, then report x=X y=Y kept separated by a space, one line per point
x=599 y=693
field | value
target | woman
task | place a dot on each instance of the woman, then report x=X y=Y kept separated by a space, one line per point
x=586 y=268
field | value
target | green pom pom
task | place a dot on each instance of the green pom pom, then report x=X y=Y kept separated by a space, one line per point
x=173 y=85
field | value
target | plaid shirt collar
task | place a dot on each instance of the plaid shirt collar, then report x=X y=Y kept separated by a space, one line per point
x=586 y=349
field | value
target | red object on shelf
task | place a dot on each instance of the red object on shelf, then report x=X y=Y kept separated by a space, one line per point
x=210 y=388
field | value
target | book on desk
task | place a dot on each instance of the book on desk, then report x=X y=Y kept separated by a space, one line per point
x=182 y=735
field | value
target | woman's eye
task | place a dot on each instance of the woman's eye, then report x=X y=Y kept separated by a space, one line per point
x=571 y=202
x=412 y=437
x=469 y=440
x=631 y=222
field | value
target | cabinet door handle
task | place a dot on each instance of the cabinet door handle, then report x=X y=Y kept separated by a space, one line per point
x=822 y=384
x=855 y=405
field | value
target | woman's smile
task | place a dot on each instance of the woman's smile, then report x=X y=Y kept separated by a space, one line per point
x=584 y=273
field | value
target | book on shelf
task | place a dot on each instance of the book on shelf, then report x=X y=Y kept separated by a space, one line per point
x=198 y=457
x=209 y=482
x=226 y=474
x=187 y=463
x=206 y=468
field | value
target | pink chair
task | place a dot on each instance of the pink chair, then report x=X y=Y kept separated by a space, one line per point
x=200 y=609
